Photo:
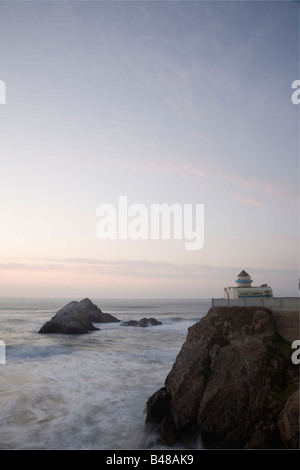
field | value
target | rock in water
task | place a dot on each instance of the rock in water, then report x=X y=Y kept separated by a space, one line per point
x=233 y=383
x=94 y=313
x=143 y=322
x=76 y=318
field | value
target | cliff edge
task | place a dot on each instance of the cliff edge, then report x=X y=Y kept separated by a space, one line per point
x=233 y=382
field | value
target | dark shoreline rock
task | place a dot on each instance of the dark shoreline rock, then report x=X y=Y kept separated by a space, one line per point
x=76 y=318
x=233 y=383
x=144 y=322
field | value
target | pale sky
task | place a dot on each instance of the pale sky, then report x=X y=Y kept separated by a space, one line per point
x=183 y=102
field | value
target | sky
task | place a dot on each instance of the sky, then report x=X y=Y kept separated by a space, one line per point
x=163 y=102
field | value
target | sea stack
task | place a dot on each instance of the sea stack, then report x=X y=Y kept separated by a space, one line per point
x=76 y=318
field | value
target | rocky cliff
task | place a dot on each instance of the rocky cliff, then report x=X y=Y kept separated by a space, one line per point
x=233 y=383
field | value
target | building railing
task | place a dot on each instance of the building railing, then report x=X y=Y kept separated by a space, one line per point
x=273 y=303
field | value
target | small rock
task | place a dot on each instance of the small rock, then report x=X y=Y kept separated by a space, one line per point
x=144 y=322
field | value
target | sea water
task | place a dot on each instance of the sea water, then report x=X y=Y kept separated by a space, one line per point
x=87 y=391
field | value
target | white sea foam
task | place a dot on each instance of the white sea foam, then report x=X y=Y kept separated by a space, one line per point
x=87 y=391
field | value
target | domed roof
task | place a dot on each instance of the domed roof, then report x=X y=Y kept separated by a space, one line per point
x=243 y=273
x=244 y=279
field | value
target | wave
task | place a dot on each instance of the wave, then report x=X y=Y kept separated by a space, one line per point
x=24 y=352
x=85 y=391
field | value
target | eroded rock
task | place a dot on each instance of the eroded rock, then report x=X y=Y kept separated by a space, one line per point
x=144 y=322
x=76 y=318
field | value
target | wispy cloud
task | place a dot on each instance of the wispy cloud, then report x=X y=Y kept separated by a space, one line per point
x=121 y=268
x=286 y=238
x=248 y=201
x=129 y=268
x=189 y=170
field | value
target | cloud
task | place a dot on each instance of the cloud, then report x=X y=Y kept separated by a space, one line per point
x=248 y=201
x=286 y=238
x=191 y=171
x=129 y=268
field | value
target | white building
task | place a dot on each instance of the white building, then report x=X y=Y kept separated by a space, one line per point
x=244 y=290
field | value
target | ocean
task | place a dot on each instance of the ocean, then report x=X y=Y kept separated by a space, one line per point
x=87 y=391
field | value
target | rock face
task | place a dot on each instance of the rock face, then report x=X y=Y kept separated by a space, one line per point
x=143 y=322
x=76 y=318
x=94 y=313
x=233 y=383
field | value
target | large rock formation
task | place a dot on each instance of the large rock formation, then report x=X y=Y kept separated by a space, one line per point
x=94 y=313
x=76 y=318
x=233 y=383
